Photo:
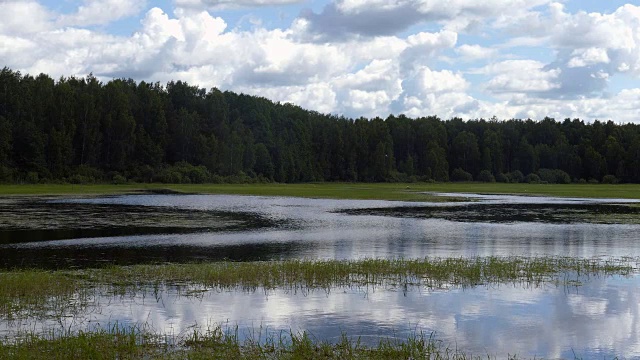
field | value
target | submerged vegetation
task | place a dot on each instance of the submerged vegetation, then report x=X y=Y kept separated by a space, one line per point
x=511 y=213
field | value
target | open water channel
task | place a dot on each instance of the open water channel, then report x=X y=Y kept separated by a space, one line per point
x=600 y=318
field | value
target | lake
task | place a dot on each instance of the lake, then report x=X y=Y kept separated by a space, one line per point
x=600 y=318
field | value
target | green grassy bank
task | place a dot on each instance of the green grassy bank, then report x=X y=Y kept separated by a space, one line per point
x=379 y=191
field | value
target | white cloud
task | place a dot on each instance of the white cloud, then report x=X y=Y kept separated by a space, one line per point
x=23 y=17
x=590 y=56
x=362 y=68
x=611 y=41
x=100 y=12
x=520 y=76
x=344 y=18
x=214 y=4
x=475 y=52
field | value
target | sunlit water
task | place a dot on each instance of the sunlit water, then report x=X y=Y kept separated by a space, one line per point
x=598 y=319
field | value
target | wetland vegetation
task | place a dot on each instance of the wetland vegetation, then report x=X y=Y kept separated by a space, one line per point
x=39 y=291
x=218 y=343
x=511 y=213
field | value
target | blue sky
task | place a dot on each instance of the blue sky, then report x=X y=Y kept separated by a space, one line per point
x=465 y=58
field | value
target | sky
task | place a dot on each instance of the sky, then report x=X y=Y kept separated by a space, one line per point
x=457 y=58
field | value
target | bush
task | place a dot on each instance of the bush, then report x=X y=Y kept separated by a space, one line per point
x=32 y=177
x=562 y=177
x=486 y=176
x=217 y=179
x=593 y=181
x=119 y=179
x=609 y=179
x=80 y=179
x=516 y=176
x=240 y=178
x=555 y=176
x=395 y=176
x=547 y=175
x=169 y=176
x=502 y=178
x=89 y=172
x=461 y=175
x=198 y=174
x=532 y=179
x=143 y=174
x=6 y=174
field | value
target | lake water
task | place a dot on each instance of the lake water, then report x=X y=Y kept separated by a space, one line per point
x=598 y=319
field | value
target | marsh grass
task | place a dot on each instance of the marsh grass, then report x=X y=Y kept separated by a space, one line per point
x=431 y=272
x=217 y=343
x=116 y=342
x=37 y=292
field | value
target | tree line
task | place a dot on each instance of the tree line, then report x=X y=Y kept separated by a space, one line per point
x=82 y=130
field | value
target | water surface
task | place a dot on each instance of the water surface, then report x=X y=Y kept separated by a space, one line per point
x=598 y=319
x=157 y=228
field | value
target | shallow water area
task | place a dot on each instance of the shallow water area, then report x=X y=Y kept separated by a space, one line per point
x=179 y=228
x=599 y=317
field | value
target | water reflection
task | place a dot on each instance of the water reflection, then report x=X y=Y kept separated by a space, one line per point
x=599 y=319
x=316 y=228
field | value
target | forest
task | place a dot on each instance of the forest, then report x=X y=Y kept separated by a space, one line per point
x=81 y=130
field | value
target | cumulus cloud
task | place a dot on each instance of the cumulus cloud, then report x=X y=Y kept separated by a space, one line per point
x=590 y=47
x=14 y=13
x=590 y=56
x=520 y=76
x=362 y=67
x=475 y=52
x=345 y=18
x=214 y=4
x=100 y=12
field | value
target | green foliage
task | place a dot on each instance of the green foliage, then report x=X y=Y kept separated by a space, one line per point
x=149 y=132
x=554 y=176
x=6 y=174
x=460 y=175
x=119 y=179
x=32 y=177
x=609 y=179
x=502 y=178
x=515 y=176
x=486 y=176
x=532 y=179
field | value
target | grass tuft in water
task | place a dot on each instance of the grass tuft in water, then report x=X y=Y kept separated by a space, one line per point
x=216 y=343
x=34 y=292
x=433 y=272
